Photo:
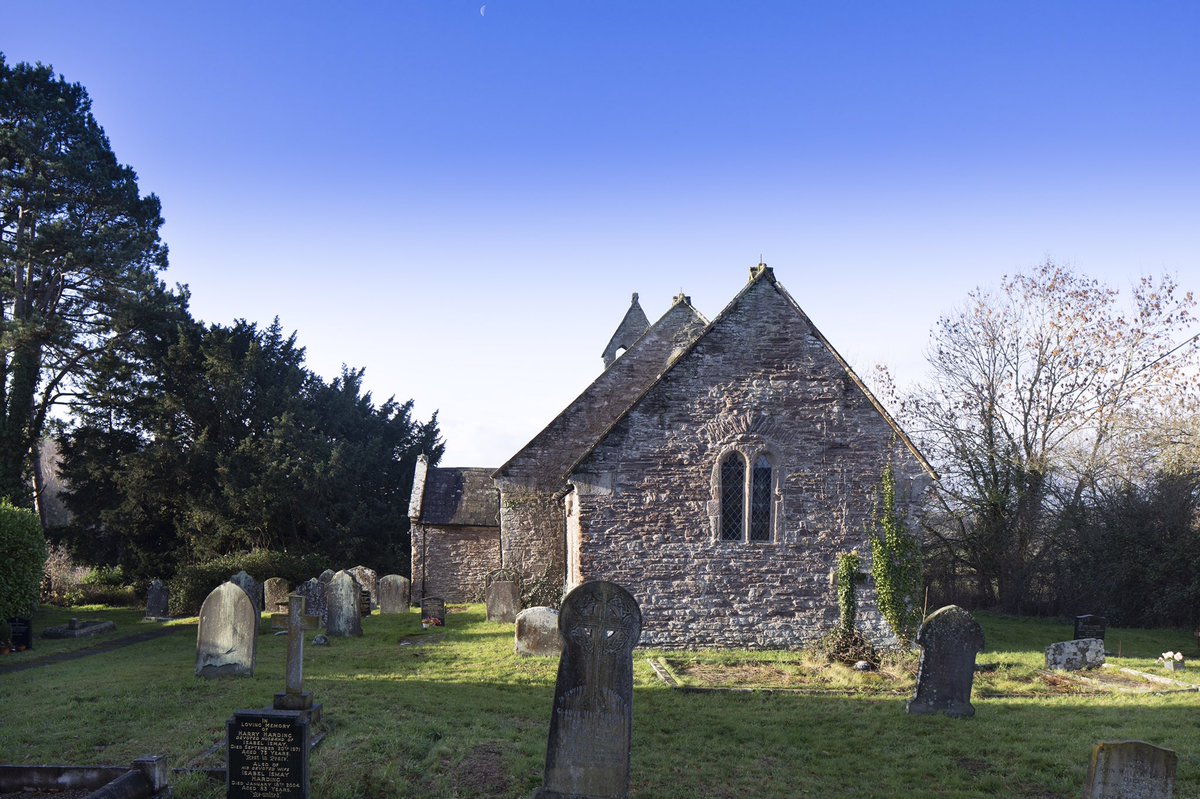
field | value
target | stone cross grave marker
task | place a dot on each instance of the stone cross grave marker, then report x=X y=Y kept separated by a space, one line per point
x=949 y=638
x=294 y=697
x=267 y=755
x=368 y=580
x=433 y=611
x=343 y=614
x=537 y=633
x=394 y=592
x=157 y=600
x=275 y=594
x=591 y=725
x=1130 y=770
x=252 y=587
x=503 y=600
x=227 y=635
x=313 y=592
x=1089 y=626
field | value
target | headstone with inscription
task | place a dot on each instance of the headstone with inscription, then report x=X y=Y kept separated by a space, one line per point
x=1089 y=626
x=1084 y=653
x=157 y=600
x=537 y=633
x=275 y=594
x=313 y=592
x=22 y=632
x=503 y=600
x=343 y=619
x=227 y=635
x=393 y=594
x=252 y=587
x=1130 y=770
x=949 y=638
x=591 y=726
x=267 y=755
x=369 y=580
x=433 y=611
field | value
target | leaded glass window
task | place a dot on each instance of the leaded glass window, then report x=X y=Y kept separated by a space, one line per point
x=760 y=500
x=733 y=493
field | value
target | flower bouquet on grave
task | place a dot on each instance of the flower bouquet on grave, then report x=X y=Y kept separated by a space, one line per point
x=432 y=621
x=1172 y=661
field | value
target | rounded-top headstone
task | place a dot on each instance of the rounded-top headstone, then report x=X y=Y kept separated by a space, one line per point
x=537 y=633
x=252 y=587
x=368 y=580
x=394 y=591
x=342 y=596
x=227 y=635
x=326 y=576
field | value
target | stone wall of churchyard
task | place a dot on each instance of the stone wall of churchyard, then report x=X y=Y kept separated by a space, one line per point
x=648 y=501
x=452 y=562
x=532 y=520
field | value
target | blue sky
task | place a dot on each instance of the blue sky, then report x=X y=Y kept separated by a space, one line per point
x=461 y=198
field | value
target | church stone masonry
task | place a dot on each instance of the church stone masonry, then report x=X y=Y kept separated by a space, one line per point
x=714 y=469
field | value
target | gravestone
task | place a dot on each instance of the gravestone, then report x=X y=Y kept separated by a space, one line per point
x=157 y=599
x=537 y=633
x=22 y=632
x=326 y=576
x=313 y=592
x=267 y=755
x=1089 y=626
x=433 y=611
x=252 y=587
x=342 y=595
x=1086 y=653
x=591 y=726
x=293 y=696
x=275 y=594
x=393 y=594
x=1130 y=770
x=949 y=638
x=369 y=580
x=80 y=629
x=503 y=601
x=227 y=635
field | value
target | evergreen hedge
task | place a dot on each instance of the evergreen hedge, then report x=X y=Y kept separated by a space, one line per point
x=22 y=560
x=192 y=583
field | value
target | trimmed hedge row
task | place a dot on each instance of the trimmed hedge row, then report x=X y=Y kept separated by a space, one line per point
x=22 y=560
x=192 y=583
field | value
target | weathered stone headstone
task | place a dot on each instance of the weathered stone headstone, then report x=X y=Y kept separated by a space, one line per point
x=433 y=611
x=369 y=580
x=275 y=594
x=1130 y=770
x=949 y=638
x=591 y=726
x=503 y=601
x=326 y=576
x=393 y=594
x=1089 y=626
x=313 y=592
x=227 y=636
x=267 y=755
x=343 y=597
x=1086 y=653
x=537 y=633
x=157 y=600
x=252 y=587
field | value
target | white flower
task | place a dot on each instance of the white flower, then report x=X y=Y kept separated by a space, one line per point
x=1179 y=656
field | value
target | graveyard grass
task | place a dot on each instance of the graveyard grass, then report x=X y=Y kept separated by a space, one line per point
x=461 y=716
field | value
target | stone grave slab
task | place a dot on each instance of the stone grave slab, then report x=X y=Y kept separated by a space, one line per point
x=591 y=726
x=394 y=593
x=267 y=755
x=275 y=594
x=433 y=611
x=1085 y=653
x=949 y=638
x=503 y=600
x=80 y=629
x=1090 y=626
x=537 y=633
x=157 y=601
x=343 y=597
x=1130 y=770
x=252 y=587
x=227 y=635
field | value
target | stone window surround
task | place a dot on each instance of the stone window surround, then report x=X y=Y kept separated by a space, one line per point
x=750 y=451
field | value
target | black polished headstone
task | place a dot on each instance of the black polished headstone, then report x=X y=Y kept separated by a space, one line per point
x=1089 y=626
x=591 y=726
x=433 y=609
x=267 y=755
x=157 y=600
x=22 y=632
x=949 y=639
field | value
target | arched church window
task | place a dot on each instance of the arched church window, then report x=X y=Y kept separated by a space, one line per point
x=733 y=496
x=760 y=500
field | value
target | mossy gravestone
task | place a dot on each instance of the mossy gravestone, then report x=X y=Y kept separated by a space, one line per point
x=1130 y=770
x=591 y=726
x=157 y=599
x=949 y=639
x=252 y=587
x=503 y=601
x=313 y=592
x=227 y=635
x=343 y=598
x=393 y=594
x=275 y=594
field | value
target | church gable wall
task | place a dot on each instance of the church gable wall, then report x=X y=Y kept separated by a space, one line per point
x=760 y=382
x=452 y=562
x=533 y=522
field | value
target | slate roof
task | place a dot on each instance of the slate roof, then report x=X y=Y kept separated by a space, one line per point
x=460 y=497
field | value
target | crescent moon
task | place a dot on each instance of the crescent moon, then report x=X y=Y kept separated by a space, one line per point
x=483 y=10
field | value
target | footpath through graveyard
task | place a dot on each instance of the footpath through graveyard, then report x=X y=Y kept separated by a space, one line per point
x=75 y=654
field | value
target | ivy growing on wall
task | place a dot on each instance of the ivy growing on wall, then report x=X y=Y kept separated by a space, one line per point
x=847 y=576
x=895 y=564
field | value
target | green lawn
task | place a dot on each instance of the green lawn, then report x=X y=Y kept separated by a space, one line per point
x=463 y=717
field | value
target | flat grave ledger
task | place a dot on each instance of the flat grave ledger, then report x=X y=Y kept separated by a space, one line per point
x=433 y=611
x=1130 y=770
x=1090 y=626
x=267 y=755
x=79 y=629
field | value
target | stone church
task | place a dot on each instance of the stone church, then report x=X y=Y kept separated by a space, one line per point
x=716 y=469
